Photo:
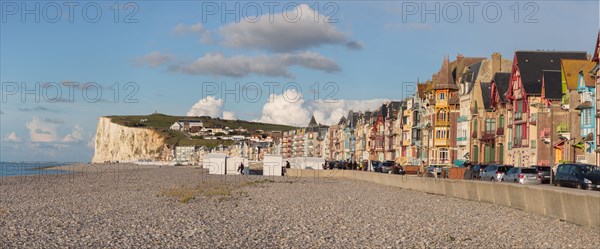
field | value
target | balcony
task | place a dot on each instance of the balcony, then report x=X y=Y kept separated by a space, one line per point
x=500 y=131
x=474 y=134
x=462 y=119
x=460 y=139
x=442 y=122
x=488 y=135
x=562 y=128
x=442 y=142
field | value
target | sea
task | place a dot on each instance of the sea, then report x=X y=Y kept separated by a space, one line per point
x=30 y=168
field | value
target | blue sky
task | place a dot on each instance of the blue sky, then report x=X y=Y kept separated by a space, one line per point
x=374 y=51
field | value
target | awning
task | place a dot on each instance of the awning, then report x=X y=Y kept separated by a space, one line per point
x=559 y=144
x=459 y=162
x=589 y=137
x=580 y=144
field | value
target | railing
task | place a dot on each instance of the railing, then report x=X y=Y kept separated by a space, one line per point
x=562 y=128
x=518 y=115
x=459 y=139
x=500 y=131
x=441 y=122
x=487 y=135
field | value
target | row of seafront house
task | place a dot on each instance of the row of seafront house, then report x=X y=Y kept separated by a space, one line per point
x=540 y=108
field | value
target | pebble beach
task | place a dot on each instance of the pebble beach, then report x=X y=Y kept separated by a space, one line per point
x=124 y=205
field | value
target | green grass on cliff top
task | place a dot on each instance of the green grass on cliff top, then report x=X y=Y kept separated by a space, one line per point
x=162 y=122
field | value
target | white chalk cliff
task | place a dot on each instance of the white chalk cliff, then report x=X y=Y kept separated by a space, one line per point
x=116 y=142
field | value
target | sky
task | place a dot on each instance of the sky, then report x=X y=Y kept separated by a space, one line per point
x=64 y=64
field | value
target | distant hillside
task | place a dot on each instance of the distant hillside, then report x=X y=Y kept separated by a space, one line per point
x=162 y=122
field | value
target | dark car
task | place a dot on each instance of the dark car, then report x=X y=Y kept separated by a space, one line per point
x=544 y=172
x=581 y=176
x=476 y=171
x=376 y=166
x=387 y=166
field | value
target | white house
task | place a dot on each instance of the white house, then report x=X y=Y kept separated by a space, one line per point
x=185 y=125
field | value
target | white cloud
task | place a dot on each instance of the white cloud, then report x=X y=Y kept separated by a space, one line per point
x=12 y=137
x=289 y=110
x=75 y=136
x=198 y=28
x=297 y=29
x=286 y=108
x=240 y=65
x=209 y=106
x=228 y=115
x=153 y=59
x=40 y=131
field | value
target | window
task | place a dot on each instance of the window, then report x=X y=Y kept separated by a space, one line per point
x=533 y=144
x=501 y=121
x=443 y=154
x=475 y=153
x=442 y=115
x=490 y=124
x=586 y=115
x=442 y=96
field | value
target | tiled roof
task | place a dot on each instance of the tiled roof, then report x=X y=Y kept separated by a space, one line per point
x=532 y=63
x=445 y=79
x=502 y=80
x=571 y=69
x=552 y=84
x=486 y=95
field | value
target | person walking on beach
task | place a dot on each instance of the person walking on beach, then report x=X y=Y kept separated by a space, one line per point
x=241 y=168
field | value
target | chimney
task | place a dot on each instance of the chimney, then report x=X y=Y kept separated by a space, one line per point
x=459 y=57
x=496 y=62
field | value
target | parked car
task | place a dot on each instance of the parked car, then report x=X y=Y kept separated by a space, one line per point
x=386 y=166
x=581 y=176
x=544 y=172
x=494 y=172
x=522 y=176
x=376 y=166
x=476 y=171
x=435 y=169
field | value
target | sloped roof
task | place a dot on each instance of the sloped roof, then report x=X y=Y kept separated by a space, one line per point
x=502 y=80
x=486 y=95
x=421 y=90
x=552 y=84
x=445 y=79
x=532 y=63
x=470 y=76
x=571 y=69
x=313 y=122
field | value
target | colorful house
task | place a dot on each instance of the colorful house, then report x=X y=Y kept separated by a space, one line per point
x=498 y=102
x=524 y=95
x=587 y=105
